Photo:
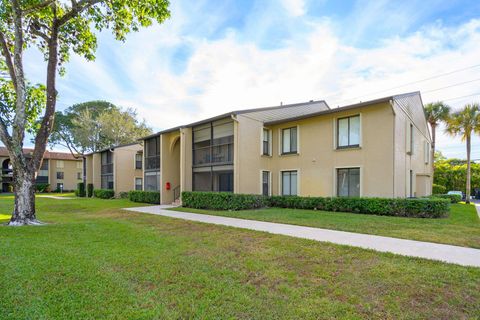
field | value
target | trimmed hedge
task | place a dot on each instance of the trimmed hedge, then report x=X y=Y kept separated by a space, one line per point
x=438 y=189
x=454 y=198
x=144 y=196
x=42 y=187
x=103 y=193
x=80 y=192
x=419 y=208
x=90 y=190
x=223 y=200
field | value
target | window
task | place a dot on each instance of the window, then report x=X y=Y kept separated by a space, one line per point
x=213 y=143
x=348 y=182
x=138 y=183
x=79 y=164
x=411 y=138
x=107 y=182
x=152 y=181
x=60 y=175
x=427 y=152
x=42 y=175
x=60 y=164
x=289 y=140
x=348 y=132
x=152 y=153
x=289 y=183
x=215 y=178
x=106 y=176
x=265 y=183
x=411 y=184
x=266 y=141
x=79 y=176
x=138 y=161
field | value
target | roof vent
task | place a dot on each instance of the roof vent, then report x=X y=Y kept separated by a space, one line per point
x=311 y=101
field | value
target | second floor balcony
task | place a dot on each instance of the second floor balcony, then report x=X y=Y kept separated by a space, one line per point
x=219 y=154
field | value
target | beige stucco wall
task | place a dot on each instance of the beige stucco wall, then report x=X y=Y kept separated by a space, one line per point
x=70 y=171
x=124 y=172
x=169 y=165
x=409 y=111
x=318 y=159
x=186 y=159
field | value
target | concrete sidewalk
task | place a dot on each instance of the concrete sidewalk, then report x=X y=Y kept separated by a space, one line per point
x=442 y=252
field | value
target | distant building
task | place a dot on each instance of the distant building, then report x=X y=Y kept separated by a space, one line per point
x=62 y=171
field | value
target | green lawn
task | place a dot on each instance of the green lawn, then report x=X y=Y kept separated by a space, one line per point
x=461 y=228
x=95 y=261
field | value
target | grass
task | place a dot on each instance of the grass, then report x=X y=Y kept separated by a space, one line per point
x=95 y=261
x=461 y=228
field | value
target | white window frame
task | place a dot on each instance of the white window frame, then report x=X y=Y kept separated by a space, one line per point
x=360 y=133
x=280 y=140
x=79 y=164
x=426 y=152
x=270 y=137
x=335 y=170
x=135 y=183
x=269 y=181
x=60 y=164
x=280 y=180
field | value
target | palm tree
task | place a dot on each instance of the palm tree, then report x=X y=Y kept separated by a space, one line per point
x=435 y=113
x=463 y=123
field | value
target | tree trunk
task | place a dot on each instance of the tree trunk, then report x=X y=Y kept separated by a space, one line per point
x=24 y=189
x=434 y=129
x=467 y=192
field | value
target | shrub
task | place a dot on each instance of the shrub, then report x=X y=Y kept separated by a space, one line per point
x=420 y=208
x=438 y=189
x=80 y=192
x=90 y=190
x=123 y=195
x=223 y=200
x=144 y=196
x=104 y=193
x=454 y=198
x=42 y=187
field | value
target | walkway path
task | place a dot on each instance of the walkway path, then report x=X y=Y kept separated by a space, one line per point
x=447 y=253
x=477 y=205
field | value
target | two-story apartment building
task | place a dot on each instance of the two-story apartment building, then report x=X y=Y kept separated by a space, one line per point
x=62 y=171
x=118 y=168
x=376 y=148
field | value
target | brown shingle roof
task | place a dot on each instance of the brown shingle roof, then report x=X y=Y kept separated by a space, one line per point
x=48 y=154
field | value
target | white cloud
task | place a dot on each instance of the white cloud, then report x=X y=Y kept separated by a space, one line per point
x=232 y=73
x=294 y=7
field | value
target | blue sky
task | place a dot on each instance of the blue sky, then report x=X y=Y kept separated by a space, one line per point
x=216 y=56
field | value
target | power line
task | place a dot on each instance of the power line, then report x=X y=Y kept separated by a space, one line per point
x=470 y=95
x=410 y=83
x=453 y=85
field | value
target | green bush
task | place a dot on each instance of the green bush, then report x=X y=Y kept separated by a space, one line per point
x=123 y=195
x=438 y=189
x=90 y=190
x=42 y=187
x=223 y=200
x=144 y=196
x=454 y=198
x=80 y=192
x=104 y=193
x=420 y=208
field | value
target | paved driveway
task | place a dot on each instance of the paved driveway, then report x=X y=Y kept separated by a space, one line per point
x=434 y=251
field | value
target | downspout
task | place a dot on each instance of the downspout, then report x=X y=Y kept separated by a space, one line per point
x=236 y=181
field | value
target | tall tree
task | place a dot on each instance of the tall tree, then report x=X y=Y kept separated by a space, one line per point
x=463 y=123
x=95 y=125
x=120 y=127
x=56 y=28
x=77 y=127
x=435 y=113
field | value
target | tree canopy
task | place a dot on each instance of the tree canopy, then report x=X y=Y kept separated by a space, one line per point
x=95 y=125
